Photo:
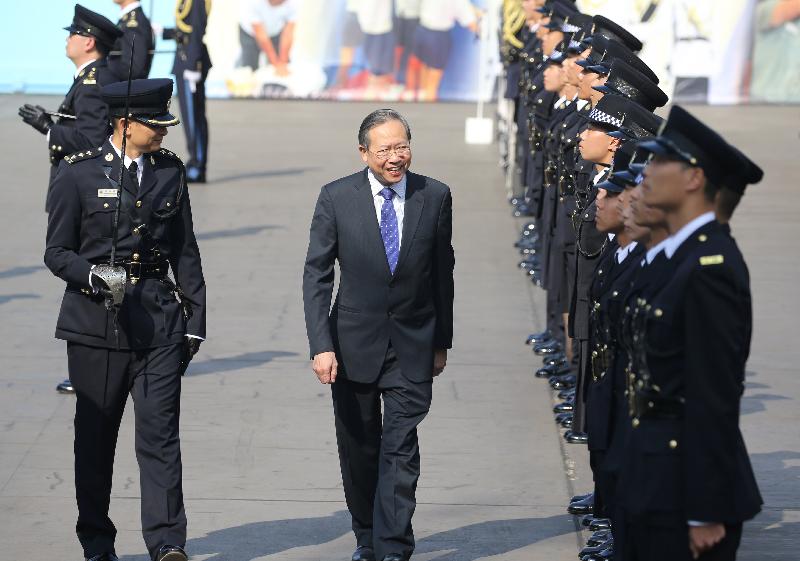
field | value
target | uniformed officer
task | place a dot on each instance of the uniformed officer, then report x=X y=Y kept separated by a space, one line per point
x=126 y=330
x=134 y=24
x=686 y=484
x=190 y=68
x=82 y=120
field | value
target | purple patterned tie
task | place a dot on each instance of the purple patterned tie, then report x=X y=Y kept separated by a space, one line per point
x=389 y=231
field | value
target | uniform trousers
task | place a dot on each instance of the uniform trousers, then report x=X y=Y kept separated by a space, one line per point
x=103 y=379
x=195 y=124
x=379 y=456
x=647 y=542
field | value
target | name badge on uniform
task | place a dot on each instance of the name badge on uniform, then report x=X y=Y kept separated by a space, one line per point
x=107 y=193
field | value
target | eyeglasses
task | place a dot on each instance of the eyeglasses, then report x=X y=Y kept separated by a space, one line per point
x=386 y=153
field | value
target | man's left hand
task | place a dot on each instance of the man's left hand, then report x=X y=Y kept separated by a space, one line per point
x=703 y=538
x=192 y=345
x=37 y=117
x=439 y=361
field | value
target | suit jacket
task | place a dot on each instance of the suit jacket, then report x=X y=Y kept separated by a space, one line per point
x=695 y=466
x=91 y=126
x=191 y=53
x=133 y=24
x=155 y=225
x=412 y=309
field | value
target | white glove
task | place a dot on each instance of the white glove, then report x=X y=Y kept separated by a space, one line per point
x=158 y=29
x=193 y=77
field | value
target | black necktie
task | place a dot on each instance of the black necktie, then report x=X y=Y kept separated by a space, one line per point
x=133 y=173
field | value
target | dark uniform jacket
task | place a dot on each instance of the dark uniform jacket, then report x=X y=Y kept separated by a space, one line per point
x=133 y=24
x=155 y=225
x=412 y=308
x=191 y=53
x=91 y=126
x=686 y=459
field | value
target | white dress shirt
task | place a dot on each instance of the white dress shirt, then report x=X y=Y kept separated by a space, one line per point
x=677 y=239
x=442 y=15
x=398 y=201
x=129 y=8
x=622 y=252
x=654 y=251
x=139 y=161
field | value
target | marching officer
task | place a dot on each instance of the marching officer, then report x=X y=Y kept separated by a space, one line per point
x=129 y=327
x=134 y=24
x=190 y=68
x=82 y=120
x=686 y=484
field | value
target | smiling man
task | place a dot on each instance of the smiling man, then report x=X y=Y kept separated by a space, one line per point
x=388 y=332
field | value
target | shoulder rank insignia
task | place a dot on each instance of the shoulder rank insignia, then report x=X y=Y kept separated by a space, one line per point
x=131 y=22
x=91 y=80
x=712 y=260
x=85 y=155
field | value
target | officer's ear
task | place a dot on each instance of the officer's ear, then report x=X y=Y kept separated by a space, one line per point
x=90 y=45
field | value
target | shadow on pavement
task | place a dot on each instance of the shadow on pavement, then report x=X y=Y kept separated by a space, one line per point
x=5 y=298
x=21 y=271
x=233 y=363
x=468 y=543
x=262 y=174
x=235 y=232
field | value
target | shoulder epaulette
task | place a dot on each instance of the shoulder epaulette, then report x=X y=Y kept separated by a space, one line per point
x=91 y=79
x=168 y=154
x=85 y=155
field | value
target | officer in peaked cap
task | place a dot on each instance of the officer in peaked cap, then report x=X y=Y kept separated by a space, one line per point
x=135 y=27
x=686 y=481
x=130 y=328
x=626 y=81
x=611 y=50
x=742 y=172
x=83 y=116
x=604 y=27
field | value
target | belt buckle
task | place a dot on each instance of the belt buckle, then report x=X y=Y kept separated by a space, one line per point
x=135 y=274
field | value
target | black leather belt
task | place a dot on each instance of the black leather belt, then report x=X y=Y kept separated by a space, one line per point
x=650 y=405
x=138 y=270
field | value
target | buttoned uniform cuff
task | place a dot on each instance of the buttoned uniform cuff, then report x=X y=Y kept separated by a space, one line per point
x=698 y=524
x=195 y=337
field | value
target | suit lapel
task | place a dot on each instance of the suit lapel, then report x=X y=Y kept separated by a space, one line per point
x=415 y=200
x=365 y=207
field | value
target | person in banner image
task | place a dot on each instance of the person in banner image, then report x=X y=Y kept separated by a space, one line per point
x=776 y=52
x=376 y=19
x=387 y=334
x=433 y=41
x=267 y=26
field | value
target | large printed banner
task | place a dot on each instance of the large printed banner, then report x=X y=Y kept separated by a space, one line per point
x=346 y=49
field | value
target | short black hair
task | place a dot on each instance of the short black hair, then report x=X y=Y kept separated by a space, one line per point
x=377 y=118
x=726 y=202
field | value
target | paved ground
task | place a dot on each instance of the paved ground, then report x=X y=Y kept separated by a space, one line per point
x=261 y=475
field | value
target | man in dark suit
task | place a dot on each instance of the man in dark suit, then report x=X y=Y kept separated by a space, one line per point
x=130 y=329
x=83 y=116
x=388 y=332
x=190 y=68
x=134 y=24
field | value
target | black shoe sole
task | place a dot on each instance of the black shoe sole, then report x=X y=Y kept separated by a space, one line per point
x=174 y=556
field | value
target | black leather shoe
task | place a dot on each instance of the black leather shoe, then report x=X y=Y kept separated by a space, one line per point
x=547 y=348
x=604 y=555
x=363 y=553
x=65 y=387
x=579 y=508
x=567 y=421
x=171 y=553
x=521 y=209
x=599 y=537
x=557 y=359
x=394 y=557
x=596 y=549
x=104 y=557
x=561 y=418
x=194 y=175
x=577 y=498
x=586 y=520
x=566 y=394
x=552 y=370
x=565 y=407
x=565 y=382
x=575 y=437
x=538 y=337
x=600 y=524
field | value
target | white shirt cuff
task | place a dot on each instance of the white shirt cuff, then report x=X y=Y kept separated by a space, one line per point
x=698 y=524
x=94 y=290
x=195 y=337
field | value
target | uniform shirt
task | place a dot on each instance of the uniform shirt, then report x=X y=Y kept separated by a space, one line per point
x=375 y=16
x=129 y=8
x=674 y=242
x=407 y=9
x=654 y=251
x=398 y=201
x=442 y=15
x=622 y=252
x=273 y=18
